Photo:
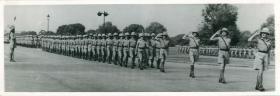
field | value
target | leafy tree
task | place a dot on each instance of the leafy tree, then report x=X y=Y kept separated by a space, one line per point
x=243 y=40
x=91 y=32
x=43 y=32
x=155 y=27
x=108 y=27
x=137 y=28
x=28 y=33
x=71 y=29
x=177 y=40
x=217 y=16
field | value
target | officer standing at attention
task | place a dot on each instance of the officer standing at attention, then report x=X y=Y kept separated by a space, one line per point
x=157 y=51
x=109 y=44
x=193 y=49
x=147 y=51
x=99 y=43
x=126 y=49
x=264 y=46
x=132 y=45
x=141 y=46
x=12 y=40
x=115 y=49
x=164 y=45
x=120 y=49
x=77 y=46
x=103 y=48
x=152 y=49
x=224 y=47
x=94 y=47
x=89 y=45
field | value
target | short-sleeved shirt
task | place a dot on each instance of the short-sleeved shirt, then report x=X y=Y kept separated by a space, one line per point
x=263 y=44
x=193 y=42
x=132 y=43
x=126 y=43
x=109 y=42
x=223 y=42
x=164 y=44
x=142 y=44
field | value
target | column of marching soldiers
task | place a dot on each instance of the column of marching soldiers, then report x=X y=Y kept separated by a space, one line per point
x=114 y=48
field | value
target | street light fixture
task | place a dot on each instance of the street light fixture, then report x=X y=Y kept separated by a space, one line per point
x=104 y=13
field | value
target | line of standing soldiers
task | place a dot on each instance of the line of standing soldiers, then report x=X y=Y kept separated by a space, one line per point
x=32 y=41
x=117 y=48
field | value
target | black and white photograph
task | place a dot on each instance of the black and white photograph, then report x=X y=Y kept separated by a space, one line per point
x=210 y=47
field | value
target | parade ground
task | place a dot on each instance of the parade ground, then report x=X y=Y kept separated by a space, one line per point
x=39 y=71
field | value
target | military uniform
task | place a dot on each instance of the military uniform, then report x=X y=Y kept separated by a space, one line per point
x=99 y=44
x=109 y=44
x=132 y=46
x=164 y=45
x=193 y=50
x=12 y=40
x=115 y=49
x=152 y=50
x=120 y=49
x=141 y=46
x=103 y=48
x=93 y=47
x=126 y=49
x=223 y=54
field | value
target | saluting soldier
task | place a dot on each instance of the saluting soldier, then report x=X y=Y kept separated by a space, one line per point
x=115 y=48
x=141 y=46
x=132 y=46
x=157 y=50
x=164 y=45
x=264 y=46
x=109 y=45
x=12 y=40
x=126 y=49
x=193 y=49
x=224 y=47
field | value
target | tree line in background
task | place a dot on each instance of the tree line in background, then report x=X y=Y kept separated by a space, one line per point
x=215 y=16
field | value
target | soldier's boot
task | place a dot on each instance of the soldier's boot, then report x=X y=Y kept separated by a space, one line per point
x=121 y=62
x=152 y=63
x=222 y=79
x=141 y=66
x=162 y=68
x=192 y=72
x=132 y=63
x=259 y=85
x=158 y=63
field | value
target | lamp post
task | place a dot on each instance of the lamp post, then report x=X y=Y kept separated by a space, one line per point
x=48 y=18
x=104 y=13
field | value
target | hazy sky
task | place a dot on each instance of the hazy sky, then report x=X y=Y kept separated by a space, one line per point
x=180 y=18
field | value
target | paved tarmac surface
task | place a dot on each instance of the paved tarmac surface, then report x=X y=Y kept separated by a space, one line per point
x=39 y=71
